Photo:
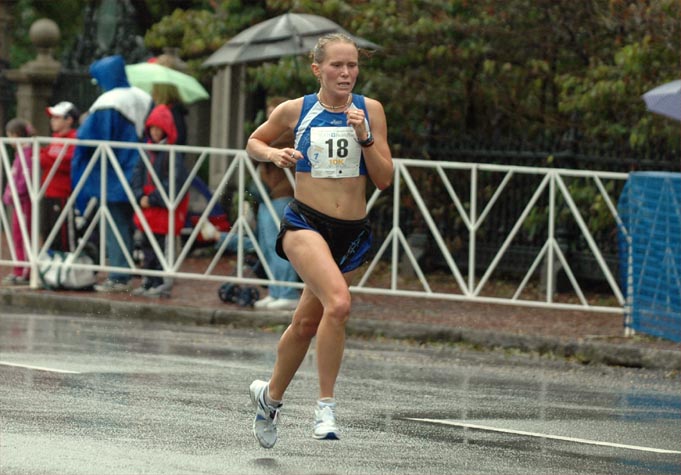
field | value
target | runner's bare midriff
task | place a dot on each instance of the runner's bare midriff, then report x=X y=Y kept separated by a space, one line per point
x=341 y=198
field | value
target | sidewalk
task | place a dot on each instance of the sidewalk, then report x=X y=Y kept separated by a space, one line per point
x=584 y=336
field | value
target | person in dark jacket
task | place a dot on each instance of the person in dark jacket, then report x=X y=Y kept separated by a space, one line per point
x=169 y=95
x=160 y=130
x=117 y=115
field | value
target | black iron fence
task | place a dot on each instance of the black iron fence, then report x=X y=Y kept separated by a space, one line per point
x=75 y=86
x=559 y=153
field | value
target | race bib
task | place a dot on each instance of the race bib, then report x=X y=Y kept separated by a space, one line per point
x=334 y=152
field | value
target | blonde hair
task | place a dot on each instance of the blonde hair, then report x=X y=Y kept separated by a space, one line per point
x=318 y=54
x=165 y=94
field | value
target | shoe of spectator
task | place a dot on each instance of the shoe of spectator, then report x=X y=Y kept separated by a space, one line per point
x=262 y=303
x=282 y=304
x=12 y=279
x=113 y=286
x=146 y=285
x=139 y=291
x=160 y=291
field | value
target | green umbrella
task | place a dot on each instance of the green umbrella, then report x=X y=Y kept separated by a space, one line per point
x=145 y=75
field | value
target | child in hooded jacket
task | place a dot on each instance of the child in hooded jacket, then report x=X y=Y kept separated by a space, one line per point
x=22 y=167
x=160 y=129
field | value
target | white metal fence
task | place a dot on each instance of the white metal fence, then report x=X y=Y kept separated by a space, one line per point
x=439 y=206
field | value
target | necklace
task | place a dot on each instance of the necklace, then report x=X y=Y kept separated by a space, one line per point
x=333 y=108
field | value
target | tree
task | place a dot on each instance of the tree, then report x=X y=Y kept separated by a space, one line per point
x=26 y=12
x=642 y=52
x=69 y=15
x=199 y=32
x=454 y=68
x=519 y=68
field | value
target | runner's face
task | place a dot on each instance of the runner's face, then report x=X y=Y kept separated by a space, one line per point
x=339 y=70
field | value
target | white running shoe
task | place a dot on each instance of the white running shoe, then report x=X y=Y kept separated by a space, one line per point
x=146 y=285
x=113 y=286
x=160 y=291
x=282 y=304
x=325 y=427
x=262 y=303
x=266 y=417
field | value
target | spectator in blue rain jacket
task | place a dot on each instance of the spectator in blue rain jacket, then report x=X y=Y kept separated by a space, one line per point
x=117 y=115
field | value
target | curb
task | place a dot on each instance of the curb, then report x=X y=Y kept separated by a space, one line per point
x=584 y=352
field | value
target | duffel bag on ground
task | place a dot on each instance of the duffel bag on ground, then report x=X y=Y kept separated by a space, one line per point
x=60 y=273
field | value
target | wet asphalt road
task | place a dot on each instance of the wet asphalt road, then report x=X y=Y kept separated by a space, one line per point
x=98 y=396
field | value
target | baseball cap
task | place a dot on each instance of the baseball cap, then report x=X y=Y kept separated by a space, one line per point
x=63 y=109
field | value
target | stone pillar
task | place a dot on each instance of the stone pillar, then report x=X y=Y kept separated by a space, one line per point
x=228 y=109
x=35 y=79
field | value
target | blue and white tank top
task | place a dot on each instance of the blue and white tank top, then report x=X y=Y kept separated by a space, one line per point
x=329 y=146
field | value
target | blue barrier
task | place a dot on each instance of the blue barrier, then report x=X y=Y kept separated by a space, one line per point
x=650 y=252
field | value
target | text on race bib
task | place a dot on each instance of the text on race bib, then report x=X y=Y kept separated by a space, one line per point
x=334 y=152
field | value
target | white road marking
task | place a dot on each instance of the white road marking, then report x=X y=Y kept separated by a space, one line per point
x=38 y=368
x=544 y=436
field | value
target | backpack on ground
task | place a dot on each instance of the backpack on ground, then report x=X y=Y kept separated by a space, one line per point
x=60 y=273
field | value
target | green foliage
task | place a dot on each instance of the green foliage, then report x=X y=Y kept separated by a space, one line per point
x=198 y=33
x=66 y=13
x=525 y=68
x=159 y=8
x=291 y=77
x=448 y=68
x=606 y=98
x=591 y=204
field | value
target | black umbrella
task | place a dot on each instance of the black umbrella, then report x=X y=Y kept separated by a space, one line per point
x=289 y=34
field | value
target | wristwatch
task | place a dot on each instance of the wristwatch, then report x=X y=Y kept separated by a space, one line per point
x=367 y=142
